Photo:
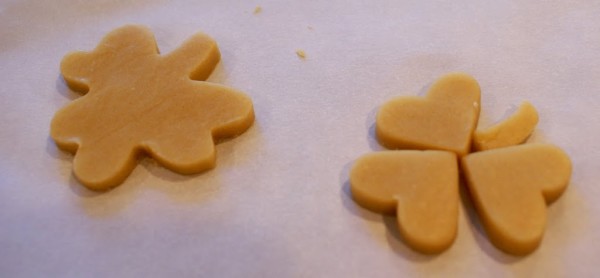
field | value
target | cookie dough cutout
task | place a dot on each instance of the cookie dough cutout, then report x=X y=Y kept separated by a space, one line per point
x=443 y=120
x=512 y=131
x=510 y=188
x=420 y=187
x=137 y=101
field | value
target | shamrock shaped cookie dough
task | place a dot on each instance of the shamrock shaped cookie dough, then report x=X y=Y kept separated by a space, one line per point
x=510 y=184
x=137 y=101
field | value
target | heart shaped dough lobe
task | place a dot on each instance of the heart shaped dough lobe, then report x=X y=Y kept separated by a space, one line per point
x=444 y=120
x=510 y=188
x=420 y=187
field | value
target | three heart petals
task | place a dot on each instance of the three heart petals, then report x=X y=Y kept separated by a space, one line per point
x=509 y=184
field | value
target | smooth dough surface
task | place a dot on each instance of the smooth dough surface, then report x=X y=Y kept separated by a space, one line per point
x=137 y=101
x=443 y=120
x=420 y=187
x=512 y=131
x=510 y=188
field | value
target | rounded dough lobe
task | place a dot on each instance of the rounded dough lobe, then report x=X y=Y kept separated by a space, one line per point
x=420 y=187
x=512 y=131
x=510 y=188
x=444 y=120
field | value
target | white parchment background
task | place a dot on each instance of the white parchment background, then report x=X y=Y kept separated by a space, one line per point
x=277 y=205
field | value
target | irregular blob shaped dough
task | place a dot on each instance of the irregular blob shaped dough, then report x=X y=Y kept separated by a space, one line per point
x=420 y=187
x=512 y=131
x=443 y=120
x=139 y=101
x=510 y=188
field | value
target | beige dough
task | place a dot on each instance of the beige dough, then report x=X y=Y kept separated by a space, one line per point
x=510 y=188
x=512 y=131
x=137 y=101
x=420 y=187
x=443 y=120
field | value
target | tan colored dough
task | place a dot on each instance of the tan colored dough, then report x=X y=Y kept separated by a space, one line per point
x=444 y=120
x=420 y=187
x=137 y=101
x=510 y=188
x=512 y=131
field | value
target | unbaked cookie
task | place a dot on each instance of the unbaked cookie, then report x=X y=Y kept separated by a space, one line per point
x=137 y=101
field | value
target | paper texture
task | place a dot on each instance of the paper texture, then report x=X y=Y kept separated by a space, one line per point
x=278 y=203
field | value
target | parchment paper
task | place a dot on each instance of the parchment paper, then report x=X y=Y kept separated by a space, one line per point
x=278 y=202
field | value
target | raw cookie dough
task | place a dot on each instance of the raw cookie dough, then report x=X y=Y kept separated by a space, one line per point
x=510 y=188
x=512 y=131
x=420 y=187
x=444 y=120
x=137 y=101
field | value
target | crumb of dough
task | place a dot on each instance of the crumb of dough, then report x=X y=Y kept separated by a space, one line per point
x=301 y=53
x=257 y=10
x=310 y=28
